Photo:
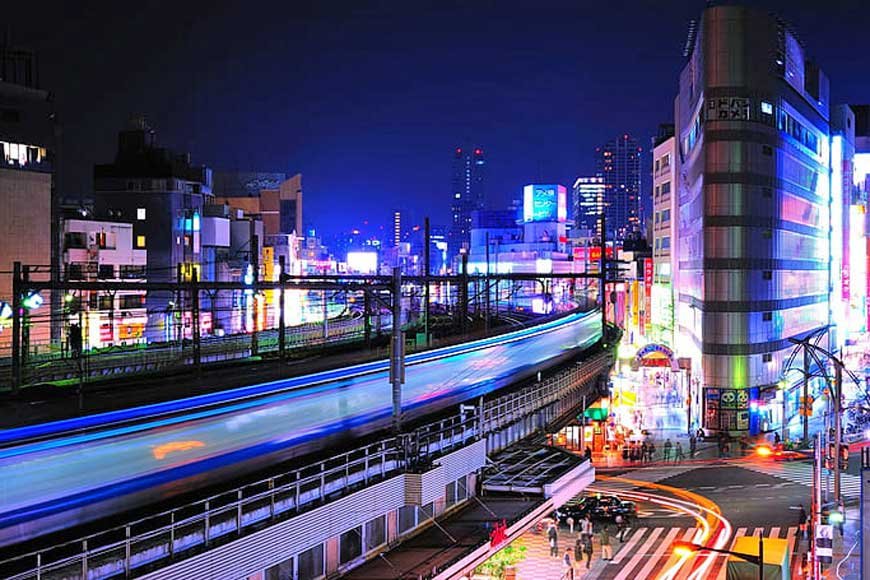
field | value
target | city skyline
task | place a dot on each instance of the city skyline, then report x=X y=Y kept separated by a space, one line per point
x=388 y=142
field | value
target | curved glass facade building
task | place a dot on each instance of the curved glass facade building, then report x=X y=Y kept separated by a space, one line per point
x=753 y=230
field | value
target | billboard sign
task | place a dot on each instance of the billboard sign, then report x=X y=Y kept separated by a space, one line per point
x=545 y=203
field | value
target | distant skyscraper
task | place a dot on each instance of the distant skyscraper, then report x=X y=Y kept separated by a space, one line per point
x=588 y=202
x=467 y=190
x=397 y=228
x=618 y=162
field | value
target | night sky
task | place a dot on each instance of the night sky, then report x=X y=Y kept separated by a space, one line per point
x=368 y=99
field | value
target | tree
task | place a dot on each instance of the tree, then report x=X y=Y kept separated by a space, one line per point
x=496 y=565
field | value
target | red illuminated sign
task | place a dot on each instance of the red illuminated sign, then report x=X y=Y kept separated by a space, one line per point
x=498 y=535
x=647 y=289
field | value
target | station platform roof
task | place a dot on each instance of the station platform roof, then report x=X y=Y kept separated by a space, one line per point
x=525 y=483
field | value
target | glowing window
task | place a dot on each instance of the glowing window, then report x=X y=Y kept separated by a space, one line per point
x=140 y=241
x=766 y=108
x=140 y=213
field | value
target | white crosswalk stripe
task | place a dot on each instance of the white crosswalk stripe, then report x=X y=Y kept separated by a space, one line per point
x=802 y=473
x=648 y=552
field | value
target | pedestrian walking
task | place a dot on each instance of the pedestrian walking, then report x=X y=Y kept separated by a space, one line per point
x=606 y=548
x=621 y=527
x=679 y=456
x=570 y=521
x=568 y=574
x=553 y=537
x=802 y=522
x=587 y=454
x=651 y=449
x=587 y=548
x=693 y=445
x=667 y=452
x=578 y=548
x=584 y=526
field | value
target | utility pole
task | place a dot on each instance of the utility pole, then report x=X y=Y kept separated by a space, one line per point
x=282 y=339
x=16 y=327
x=837 y=394
x=427 y=265
x=25 y=323
x=603 y=276
x=194 y=298
x=486 y=289
x=367 y=319
x=255 y=267
x=806 y=406
x=463 y=295
x=397 y=352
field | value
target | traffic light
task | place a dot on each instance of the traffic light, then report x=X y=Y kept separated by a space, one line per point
x=844 y=457
x=830 y=456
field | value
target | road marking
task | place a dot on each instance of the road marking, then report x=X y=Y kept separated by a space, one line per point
x=689 y=536
x=626 y=548
x=723 y=558
x=774 y=533
x=791 y=536
x=707 y=487
x=735 y=487
x=762 y=485
x=641 y=553
x=663 y=548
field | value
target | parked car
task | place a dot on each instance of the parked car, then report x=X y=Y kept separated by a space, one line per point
x=597 y=507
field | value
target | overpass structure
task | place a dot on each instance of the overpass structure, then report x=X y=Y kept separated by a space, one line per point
x=316 y=520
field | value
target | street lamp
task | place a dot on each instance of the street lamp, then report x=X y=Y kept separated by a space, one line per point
x=683 y=549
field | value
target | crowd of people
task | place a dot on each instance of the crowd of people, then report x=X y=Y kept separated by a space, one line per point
x=583 y=548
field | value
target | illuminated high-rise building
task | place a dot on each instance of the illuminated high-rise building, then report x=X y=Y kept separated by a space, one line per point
x=29 y=225
x=587 y=202
x=757 y=186
x=618 y=162
x=397 y=228
x=467 y=195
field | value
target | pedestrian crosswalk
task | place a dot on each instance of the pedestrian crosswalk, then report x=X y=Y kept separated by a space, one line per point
x=802 y=473
x=648 y=553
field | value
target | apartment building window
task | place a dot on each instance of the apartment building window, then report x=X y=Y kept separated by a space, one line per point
x=376 y=532
x=74 y=271
x=666 y=187
x=666 y=243
x=106 y=272
x=141 y=213
x=767 y=357
x=666 y=161
x=350 y=545
x=658 y=165
x=309 y=565
x=130 y=301
x=140 y=241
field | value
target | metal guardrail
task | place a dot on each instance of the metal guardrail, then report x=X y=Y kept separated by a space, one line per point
x=148 y=543
x=137 y=360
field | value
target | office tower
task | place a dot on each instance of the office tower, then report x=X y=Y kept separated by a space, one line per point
x=754 y=187
x=467 y=192
x=29 y=230
x=162 y=194
x=588 y=203
x=663 y=225
x=397 y=228
x=618 y=162
x=273 y=195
